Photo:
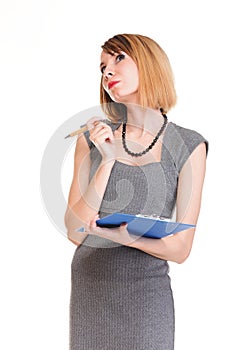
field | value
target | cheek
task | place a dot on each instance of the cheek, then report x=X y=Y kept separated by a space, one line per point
x=134 y=76
x=104 y=86
x=134 y=81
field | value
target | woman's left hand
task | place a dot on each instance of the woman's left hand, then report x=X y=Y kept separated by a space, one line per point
x=119 y=234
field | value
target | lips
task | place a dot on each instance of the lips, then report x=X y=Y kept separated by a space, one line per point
x=112 y=83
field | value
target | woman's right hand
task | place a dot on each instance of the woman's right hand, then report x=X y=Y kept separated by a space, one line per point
x=102 y=137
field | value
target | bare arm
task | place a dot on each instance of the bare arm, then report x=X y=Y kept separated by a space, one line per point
x=177 y=247
x=85 y=198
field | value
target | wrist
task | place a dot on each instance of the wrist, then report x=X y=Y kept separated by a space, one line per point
x=107 y=163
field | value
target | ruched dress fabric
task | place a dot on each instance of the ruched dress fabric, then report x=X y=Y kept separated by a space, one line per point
x=121 y=297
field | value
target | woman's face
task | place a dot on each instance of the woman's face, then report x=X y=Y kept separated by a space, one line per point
x=120 y=77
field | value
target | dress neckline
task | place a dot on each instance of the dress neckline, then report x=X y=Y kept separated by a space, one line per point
x=150 y=163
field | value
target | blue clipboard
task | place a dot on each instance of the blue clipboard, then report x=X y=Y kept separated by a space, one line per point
x=143 y=226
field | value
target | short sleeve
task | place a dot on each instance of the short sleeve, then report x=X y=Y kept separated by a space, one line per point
x=87 y=137
x=184 y=142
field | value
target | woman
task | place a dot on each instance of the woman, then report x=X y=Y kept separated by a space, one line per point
x=135 y=162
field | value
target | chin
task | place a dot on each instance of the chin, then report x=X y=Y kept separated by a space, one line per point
x=120 y=98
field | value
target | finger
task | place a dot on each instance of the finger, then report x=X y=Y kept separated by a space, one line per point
x=95 y=130
x=93 y=221
x=99 y=126
x=101 y=135
x=91 y=123
x=101 y=138
x=100 y=132
x=123 y=226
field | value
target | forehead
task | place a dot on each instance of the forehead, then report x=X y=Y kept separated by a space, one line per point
x=105 y=55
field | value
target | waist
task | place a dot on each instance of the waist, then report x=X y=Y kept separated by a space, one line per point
x=117 y=263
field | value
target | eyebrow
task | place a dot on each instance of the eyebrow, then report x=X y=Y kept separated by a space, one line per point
x=112 y=54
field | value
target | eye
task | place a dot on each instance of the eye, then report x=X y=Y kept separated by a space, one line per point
x=102 y=69
x=120 y=57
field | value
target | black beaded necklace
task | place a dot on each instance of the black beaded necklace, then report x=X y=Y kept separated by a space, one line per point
x=139 y=154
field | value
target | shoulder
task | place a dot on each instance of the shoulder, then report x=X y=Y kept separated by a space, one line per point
x=190 y=138
x=81 y=148
x=182 y=142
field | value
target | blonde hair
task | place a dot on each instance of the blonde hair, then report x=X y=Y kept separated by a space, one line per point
x=156 y=81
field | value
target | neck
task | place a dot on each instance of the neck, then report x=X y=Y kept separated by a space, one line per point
x=142 y=120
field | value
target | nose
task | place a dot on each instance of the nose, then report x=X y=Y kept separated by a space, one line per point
x=108 y=72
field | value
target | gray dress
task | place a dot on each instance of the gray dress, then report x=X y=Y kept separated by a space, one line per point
x=121 y=297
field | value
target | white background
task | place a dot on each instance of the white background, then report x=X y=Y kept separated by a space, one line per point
x=48 y=73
